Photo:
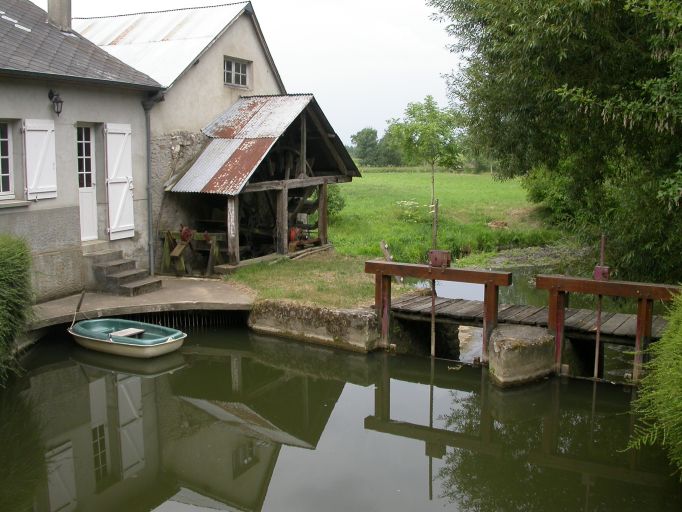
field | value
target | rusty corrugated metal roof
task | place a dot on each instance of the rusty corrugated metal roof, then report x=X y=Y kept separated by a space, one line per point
x=242 y=137
x=161 y=44
x=225 y=166
x=255 y=117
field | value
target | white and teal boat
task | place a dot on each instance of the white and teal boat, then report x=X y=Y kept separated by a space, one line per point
x=126 y=337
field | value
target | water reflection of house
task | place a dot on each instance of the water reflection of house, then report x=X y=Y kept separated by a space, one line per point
x=99 y=431
x=116 y=441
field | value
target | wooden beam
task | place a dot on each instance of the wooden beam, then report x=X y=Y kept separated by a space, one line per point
x=233 y=230
x=322 y=212
x=490 y=307
x=288 y=165
x=325 y=139
x=610 y=288
x=427 y=272
x=282 y=224
x=295 y=183
x=304 y=146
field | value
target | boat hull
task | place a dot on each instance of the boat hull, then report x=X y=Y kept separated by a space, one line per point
x=128 y=350
x=126 y=338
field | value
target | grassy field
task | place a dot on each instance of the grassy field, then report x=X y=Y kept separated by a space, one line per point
x=394 y=206
x=328 y=279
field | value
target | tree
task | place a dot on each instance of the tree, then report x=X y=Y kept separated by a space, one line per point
x=366 y=145
x=428 y=134
x=588 y=92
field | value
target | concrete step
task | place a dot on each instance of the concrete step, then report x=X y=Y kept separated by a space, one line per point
x=94 y=246
x=126 y=276
x=104 y=256
x=141 y=286
x=114 y=266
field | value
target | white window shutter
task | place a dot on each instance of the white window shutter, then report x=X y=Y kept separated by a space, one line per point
x=41 y=162
x=119 y=166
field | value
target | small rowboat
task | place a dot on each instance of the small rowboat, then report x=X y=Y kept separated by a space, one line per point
x=126 y=337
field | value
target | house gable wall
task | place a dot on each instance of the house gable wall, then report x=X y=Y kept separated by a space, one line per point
x=199 y=95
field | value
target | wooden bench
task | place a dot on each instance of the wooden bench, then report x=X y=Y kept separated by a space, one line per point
x=130 y=332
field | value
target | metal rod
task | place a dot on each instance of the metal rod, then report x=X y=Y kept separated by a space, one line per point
x=597 y=340
x=434 y=241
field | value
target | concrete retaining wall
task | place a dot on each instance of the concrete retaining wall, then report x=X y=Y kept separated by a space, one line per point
x=350 y=329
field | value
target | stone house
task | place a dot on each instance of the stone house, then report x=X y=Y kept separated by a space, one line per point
x=215 y=66
x=73 y=147
x=206 y=58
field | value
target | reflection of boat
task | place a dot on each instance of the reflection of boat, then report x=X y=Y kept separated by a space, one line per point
x=126 y=337
x=168 y=363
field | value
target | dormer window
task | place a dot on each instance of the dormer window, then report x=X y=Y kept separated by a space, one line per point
x=235 y=72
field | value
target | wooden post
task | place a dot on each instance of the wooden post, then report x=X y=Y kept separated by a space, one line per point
x=382 y=392
x=304 y=146
x=282 y=226
x=323 y=213
x=490 y=307
x=555 y=323
x=236 y=374
x=645 y=308
x=382 y=305
x=233 y=230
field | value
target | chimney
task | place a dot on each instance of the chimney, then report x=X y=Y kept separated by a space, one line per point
x=59 y=14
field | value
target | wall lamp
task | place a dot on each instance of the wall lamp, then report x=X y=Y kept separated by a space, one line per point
x=56 y=100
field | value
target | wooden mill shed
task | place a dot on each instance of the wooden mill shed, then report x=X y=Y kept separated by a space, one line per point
x=264 y=174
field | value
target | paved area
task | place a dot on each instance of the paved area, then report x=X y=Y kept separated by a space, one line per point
x=176 y=294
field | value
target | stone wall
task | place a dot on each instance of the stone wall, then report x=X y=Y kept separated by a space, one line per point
x=172 y=156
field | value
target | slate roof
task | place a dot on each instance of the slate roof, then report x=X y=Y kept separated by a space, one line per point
x=29 y=46
x=165 y=44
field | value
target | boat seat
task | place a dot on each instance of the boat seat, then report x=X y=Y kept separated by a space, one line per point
x=129 y=332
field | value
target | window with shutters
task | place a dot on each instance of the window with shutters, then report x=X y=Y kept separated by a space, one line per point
x=235 y=72
x=6 y=165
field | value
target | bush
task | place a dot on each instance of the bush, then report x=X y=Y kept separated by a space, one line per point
x=15 y=295
x=660 y=400
x=335 y=200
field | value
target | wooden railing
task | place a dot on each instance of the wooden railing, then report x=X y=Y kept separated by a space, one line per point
x=384 y=270
x=559 y=288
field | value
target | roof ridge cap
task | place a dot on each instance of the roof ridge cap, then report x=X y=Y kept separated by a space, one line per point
x=198 y=7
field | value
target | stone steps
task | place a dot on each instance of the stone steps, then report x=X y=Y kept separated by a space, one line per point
x=112 y=273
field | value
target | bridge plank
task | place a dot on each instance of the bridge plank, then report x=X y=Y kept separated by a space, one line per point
x=425 y=307
x=658 y=326
x=613 y=323
x=539 y=318
x=455 y=308
x=576 y=320
x=472 y=311
x=590 y=323
x=510 y=312
x=405 y=299
x=627 y=328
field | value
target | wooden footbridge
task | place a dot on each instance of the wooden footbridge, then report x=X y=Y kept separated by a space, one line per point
x=636 y=330
x=618 y=328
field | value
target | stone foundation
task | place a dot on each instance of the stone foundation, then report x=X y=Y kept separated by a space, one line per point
x=519 y=354
x=349 y=329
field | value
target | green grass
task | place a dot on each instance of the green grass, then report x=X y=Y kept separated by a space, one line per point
x=327 y=279
x=393 y=206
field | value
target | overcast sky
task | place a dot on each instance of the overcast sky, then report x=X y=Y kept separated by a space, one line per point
x=363 y=59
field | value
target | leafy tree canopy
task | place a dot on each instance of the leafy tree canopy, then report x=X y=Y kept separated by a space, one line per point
x=587 y=93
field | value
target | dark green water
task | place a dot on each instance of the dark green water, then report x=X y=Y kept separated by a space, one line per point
x=238 y=421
